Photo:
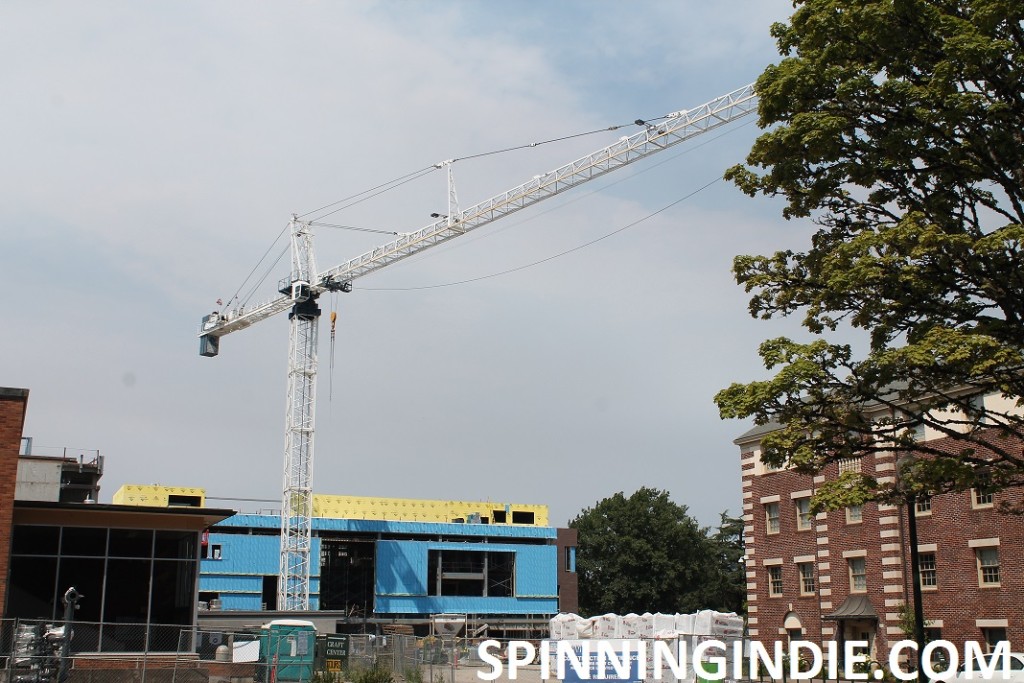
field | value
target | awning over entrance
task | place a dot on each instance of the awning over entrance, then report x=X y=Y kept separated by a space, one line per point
x=854 y=607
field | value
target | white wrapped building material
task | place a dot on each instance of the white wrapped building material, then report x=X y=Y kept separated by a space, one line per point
x=606 y=626
x=684 y=623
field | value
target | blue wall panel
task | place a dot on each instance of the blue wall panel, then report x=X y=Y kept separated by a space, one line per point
x=244 y=554
x=385 y=527
x=401 y=581
x=231 y=583
x=464 y=605
x=537 y=571
x=401 y=568
x=241 y=601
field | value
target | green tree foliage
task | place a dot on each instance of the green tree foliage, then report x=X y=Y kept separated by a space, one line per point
x=644 y=553
x=897 y=126
x=725 y=586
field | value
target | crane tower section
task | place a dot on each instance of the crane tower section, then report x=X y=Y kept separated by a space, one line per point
x=299 y=293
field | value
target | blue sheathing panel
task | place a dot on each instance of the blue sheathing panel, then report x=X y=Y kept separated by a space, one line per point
x=401 y=568
x=244 y=554
x=244 y=561
x=241 y=601
x=401 y=581
x=465 y=605
x=385 y=527
x=537 y=571
x=231 y=583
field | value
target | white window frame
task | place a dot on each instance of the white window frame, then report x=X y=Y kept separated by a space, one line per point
x=772 y=521
x=804 y=518
x=854 y=519
x=931 y=572
x=775 y=586
x=993 y=568
x=808 y=586
x=981 y=500
x=858 y=568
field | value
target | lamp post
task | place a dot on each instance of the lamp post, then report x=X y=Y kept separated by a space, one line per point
x=910 y=498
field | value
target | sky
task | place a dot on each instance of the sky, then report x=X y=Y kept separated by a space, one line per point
x=154 y=152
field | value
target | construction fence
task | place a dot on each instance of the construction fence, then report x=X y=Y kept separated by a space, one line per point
x=45 y=652
x=35 y=652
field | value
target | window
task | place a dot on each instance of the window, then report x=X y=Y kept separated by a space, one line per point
x=858 y=575
x=849 y=465
x=980 y=498
x=988 y=566
x=473 y=573
x=522 y=517
x=911 y=426
x=771 y=517
x=992 y=637
x=803 y=514
x=775 y=580
x=923 y=506
x=210 y=551
x=926 y=568
x=570 y=558
x=855 y=514
x=806 y=578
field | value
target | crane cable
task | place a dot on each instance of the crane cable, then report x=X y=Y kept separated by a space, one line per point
x=334 y=322
x=554 y=208
x=359 y=197
x=548 y=258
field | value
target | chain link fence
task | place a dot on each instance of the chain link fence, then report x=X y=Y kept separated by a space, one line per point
x=38 y=652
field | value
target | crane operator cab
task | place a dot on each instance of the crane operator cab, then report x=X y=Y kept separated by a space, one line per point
x=300 y=291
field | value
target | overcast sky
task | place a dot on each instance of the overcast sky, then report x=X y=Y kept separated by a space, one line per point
x=153 y=152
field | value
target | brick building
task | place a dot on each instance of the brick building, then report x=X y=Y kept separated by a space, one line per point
x=12 y=421
x=845 y=574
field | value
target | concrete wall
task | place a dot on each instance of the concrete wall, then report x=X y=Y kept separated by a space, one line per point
x=38 y=479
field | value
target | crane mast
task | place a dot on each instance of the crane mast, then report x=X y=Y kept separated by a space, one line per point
x=299 y=293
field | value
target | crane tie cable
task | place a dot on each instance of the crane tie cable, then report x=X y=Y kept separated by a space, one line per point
x=549 y=258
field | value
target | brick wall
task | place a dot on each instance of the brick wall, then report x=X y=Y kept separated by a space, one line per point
x=953 y=531
x=12 y=422
x=568 y=586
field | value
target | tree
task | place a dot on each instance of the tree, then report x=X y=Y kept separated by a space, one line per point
x=725 y=586
x=640 y=554
x=897 y=126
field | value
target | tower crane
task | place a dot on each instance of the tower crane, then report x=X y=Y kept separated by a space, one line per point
x=298 y=295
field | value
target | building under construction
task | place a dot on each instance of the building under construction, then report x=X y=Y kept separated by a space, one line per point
x=385 y=564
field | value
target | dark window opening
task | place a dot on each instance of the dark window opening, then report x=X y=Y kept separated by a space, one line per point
x=32 y=587
x=347 y=576
x=268 y=597
x=211 y=551
x=175 y=545
x=35 y=540
x=177 y=500
x=129 y=597
x=83 y=541
x=499 y=516
x=131 y=543
x=522 y=517
x=470 y=573
x=86 y=575
x=172 y=592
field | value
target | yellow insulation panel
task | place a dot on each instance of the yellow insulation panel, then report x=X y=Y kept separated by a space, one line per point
x=414 y=510
x=155 y=495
